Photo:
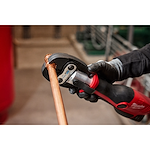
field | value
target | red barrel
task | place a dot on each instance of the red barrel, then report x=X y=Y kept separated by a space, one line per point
x=6 y=72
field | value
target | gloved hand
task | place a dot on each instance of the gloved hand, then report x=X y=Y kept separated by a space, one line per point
x=109 y=71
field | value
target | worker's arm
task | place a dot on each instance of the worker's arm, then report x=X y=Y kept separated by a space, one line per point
x=135 y=63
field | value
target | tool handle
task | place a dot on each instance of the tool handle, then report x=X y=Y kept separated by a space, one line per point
x=126 y=101
x=58 y=101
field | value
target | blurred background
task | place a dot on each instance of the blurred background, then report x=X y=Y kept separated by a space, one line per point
x=26 y=97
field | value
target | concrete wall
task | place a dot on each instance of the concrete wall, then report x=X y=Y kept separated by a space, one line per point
x=45 y=30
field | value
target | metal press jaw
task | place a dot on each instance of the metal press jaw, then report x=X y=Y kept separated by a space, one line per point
x=67 y=68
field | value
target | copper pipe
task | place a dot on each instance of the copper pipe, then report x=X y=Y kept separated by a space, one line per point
x=58 y=101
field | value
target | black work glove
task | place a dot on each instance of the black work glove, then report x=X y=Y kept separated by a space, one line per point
x=109 y=71
x=86 y=96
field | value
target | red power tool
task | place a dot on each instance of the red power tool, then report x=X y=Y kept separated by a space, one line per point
x=126 y=101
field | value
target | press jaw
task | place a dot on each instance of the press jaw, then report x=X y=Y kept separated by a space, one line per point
x=61 y=60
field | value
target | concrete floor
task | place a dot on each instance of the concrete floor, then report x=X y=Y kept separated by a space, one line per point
x=33 y=103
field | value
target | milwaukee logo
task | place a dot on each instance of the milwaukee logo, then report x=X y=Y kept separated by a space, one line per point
x=136 y=106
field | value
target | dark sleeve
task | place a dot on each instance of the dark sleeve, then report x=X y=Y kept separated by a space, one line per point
x=136 y=63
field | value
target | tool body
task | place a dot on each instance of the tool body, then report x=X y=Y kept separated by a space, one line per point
x=126 y=101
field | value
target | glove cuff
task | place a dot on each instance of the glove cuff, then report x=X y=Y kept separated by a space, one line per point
x=117 y=64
